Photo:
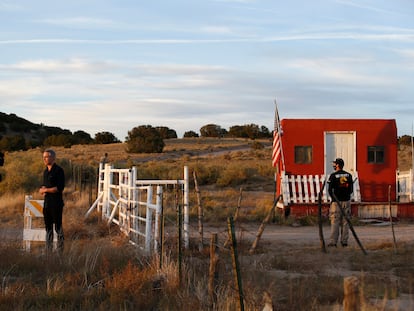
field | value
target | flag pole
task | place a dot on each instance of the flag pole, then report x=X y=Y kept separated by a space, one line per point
x=282 y=157
x=278 y=160
x=412 y=159
x=412 y=146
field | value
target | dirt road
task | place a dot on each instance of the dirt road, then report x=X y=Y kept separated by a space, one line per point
x=366 y=233
x=296 y=235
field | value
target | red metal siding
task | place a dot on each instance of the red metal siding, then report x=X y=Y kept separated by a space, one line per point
x=374 y=179
x=404 y=210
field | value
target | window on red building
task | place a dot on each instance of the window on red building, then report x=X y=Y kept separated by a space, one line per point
x=303 y=154
x=376 y=154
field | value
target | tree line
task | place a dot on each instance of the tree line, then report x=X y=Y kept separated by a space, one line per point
x=20 y=134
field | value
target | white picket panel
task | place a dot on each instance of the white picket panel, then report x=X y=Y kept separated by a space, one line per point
x=306 y=188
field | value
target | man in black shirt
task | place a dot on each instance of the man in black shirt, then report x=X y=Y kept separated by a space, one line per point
x=340 y=185
x=52 y=189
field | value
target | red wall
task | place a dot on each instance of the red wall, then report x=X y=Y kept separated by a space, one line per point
x=404 y=210
x=374 y=179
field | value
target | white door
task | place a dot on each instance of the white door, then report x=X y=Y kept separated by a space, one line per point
x=340 y=145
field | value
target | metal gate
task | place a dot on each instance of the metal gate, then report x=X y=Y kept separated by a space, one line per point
x=136 y=205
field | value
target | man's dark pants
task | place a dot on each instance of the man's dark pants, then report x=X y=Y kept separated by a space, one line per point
x=53 y=215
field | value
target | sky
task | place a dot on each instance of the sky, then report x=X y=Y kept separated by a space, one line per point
x=101 y=65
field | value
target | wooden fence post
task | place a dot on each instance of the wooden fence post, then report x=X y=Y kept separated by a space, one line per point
x=392 y=223
x=213 y=271
x=200 y=213
x=320 y=224
x=236 y=267
x=352 y=300
x=236 y=214
x=262 y=227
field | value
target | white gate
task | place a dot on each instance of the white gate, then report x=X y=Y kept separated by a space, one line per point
x=136 y=205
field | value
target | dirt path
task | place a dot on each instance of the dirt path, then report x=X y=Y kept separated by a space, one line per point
x=305 y=235
x=297 y=235
x=366 y=234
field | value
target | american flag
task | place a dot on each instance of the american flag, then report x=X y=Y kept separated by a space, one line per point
x=277 y=153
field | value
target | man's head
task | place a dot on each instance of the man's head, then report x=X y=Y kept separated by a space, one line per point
x=49 y=156
x=338 y=163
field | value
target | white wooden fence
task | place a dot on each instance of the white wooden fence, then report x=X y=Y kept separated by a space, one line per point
x=136 y=205
x=405 y=186
x=306 y=188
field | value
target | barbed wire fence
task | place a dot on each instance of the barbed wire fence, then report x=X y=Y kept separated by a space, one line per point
x=230 y=241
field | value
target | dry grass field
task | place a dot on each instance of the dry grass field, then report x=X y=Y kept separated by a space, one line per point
x=99 y=270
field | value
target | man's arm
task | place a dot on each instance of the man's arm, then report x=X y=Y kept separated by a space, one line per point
x=44 y=190
x=330 y=185
x=351 y=184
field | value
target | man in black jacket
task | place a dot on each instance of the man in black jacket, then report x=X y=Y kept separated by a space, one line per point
x=340 y=186
x=52 y=189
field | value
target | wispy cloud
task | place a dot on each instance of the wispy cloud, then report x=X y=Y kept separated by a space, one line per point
x=222 y=30
x=59 y=66
x=345 y=71
x=407 y=36
x=407 y=53
x=361 y=5
x=80 y=22
x=9 y=6
x=236 y=1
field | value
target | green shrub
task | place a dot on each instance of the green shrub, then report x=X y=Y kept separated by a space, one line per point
x=145 y=139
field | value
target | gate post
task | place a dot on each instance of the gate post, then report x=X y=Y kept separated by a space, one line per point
x=158 y=224
x=106 y=213
x=186 y=208
x=101 y=183
x=148 y=224
x=131 y=196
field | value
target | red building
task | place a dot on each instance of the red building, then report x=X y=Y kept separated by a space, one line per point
x=368 y=147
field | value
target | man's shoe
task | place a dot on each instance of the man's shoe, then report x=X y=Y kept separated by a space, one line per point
x=344 y=244
x=331 y=245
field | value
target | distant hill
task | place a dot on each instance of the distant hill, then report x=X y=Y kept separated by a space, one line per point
x=17 y=131
x=11 y=125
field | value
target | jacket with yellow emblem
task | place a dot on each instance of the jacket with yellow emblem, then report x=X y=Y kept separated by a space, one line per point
x=340 y=183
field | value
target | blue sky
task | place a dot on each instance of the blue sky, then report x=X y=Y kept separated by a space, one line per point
x=98 y=65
